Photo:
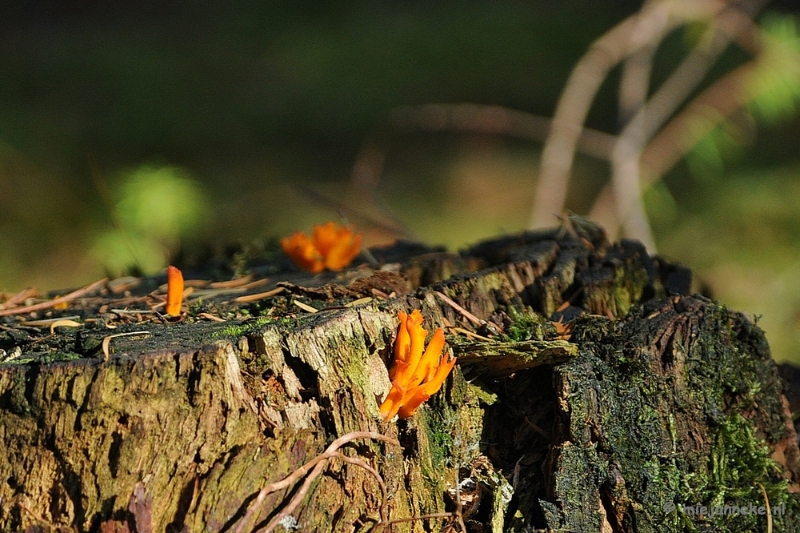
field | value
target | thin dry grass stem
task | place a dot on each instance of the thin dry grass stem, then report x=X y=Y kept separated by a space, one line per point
x=365 y=178
x=715 y=104
x=628 y=190
x=259 y=296
x=491 y=120
x=107 y=341
x=233 y=283
x=644 y=29
x=466 y=314
x=570 y=115
x=45 y=322
x=55 y=301
x=209 y=316
x=634 y=83
x=456 y=515
x=539 y=430
x=366 y=254
x=64 y=322
x=633 y=91
x=305 y=307
x=360 y=301
x=19 y=297
x=469 y=334
x=36 y=517
x=686 y=78
x=731 y=24
x=318 y=464
x=768 y=509
x=459 y=514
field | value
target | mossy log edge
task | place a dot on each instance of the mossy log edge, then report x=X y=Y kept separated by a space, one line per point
x=638 y=416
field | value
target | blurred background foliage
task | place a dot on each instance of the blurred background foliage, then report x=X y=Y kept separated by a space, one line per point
x=130 y=131
x=148 y=223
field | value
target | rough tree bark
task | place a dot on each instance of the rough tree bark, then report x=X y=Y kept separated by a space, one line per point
x=651 y=404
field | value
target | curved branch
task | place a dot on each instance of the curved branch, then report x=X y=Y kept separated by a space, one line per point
x=643 y=29
x=318 y=464
x=639 y=158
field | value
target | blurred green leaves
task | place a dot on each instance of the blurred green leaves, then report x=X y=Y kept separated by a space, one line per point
x=156 y=207
x=775 y=84
x=770 y=89
x=742 y=241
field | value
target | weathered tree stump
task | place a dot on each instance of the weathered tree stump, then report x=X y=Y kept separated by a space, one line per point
x=640 y=406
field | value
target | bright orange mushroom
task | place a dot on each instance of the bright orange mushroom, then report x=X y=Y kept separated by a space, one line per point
x=303 y=252
x=174 y=291
x=331 y=246
x=415 y=376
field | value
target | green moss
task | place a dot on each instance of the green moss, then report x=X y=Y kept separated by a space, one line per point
x=484 y=396
x=740 y=462
x=43 y=358
x=724 y=388
x=527 y=325
x=452 y=423
x=245 y=328
x=440 y=438
x=19 y=361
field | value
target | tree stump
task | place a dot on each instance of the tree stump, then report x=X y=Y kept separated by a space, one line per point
x=592 y=393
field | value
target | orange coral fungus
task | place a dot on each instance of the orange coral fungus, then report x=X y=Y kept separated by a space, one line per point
x=332 y=247
x=174 y=291
x=415 y=376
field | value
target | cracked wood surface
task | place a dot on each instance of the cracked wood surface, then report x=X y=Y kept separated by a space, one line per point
x=180 y=430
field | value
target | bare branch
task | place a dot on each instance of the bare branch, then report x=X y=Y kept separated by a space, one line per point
x=626 y=173
x=711 y=108
x=649 y=26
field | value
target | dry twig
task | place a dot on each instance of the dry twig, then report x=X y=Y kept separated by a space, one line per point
x=466 y=314
x=651 y=116
x=258 y=296
x=55 y=301
x=646 y=27
x=21 y=296
x=318 y=464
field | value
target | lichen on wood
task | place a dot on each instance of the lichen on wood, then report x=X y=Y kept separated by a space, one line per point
x=496 y=359
x=656 y=398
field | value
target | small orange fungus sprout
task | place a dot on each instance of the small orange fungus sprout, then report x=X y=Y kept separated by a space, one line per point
x=331 y=246
x=415 y=376
x=174 y=290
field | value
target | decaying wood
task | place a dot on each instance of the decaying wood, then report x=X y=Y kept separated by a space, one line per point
x=656 y=398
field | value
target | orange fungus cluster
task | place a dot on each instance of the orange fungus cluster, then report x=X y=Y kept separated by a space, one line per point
x=331 y=246
x=174 y=291
x=415 y=375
